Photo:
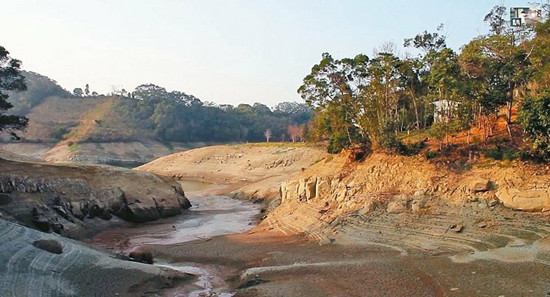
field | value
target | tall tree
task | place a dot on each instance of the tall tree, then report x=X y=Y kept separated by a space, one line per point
x=11 y=79
x=333 y=88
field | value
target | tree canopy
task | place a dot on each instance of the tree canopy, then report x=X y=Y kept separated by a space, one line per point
x=11 y=79
x=370 y=100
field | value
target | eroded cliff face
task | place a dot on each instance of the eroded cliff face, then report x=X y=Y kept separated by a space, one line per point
x=337 y=187
x=69 y=199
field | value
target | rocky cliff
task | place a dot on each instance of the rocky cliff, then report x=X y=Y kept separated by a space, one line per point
x=382 y=179
x=409 y=202
x=71 y=199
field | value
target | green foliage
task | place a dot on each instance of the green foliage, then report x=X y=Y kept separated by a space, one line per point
x=10 y=80
x=58 y=131
x=73 y=146
x=337 y=143
x=534 y=115
x=178 y=117
x=431 y=154
x=499 y=154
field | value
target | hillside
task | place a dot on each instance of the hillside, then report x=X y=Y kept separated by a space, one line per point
x=132 y=128
x=85 y=130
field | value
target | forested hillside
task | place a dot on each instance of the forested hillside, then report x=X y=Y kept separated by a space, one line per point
x=376 y=101
x=149 y=113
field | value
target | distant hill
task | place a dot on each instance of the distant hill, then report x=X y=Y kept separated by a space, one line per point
x=39 y=88
x=135 y=127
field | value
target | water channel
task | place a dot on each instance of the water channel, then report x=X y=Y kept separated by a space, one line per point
x=209 y=216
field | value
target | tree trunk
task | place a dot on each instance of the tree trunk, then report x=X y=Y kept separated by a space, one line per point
x=416 y=112
x=509 y=104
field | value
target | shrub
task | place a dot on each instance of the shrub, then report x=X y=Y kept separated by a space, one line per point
x=534 y=116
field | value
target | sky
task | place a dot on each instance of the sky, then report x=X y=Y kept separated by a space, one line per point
x=223 y=51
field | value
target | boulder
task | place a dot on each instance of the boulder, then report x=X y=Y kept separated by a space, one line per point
x=50 y=245
x=480 y=185
x=526 y=200
x=398 y=205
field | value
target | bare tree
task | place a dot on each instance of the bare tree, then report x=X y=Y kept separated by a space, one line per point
x=267 y=134
x=295 y=132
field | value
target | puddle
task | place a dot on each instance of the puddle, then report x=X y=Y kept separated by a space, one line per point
x=205 y=282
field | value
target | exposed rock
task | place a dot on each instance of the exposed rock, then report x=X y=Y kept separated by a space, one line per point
x=415 y=206
x=367 y=207
x=493 y=201
x=456 y=228
x=70 y=197
x=141 y=255
x=40 y=221
x=36 y=264
x=397 y=206
x=527 y=200
x=326 y=241
x=50 y=245
x=481 y=225
x=480 y=185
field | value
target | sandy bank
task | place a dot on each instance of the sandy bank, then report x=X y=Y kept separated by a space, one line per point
x=255 y=170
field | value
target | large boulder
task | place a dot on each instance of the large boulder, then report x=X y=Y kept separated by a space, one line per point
x=527 y=200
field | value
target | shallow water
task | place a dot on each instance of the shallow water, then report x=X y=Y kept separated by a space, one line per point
x=209 y=216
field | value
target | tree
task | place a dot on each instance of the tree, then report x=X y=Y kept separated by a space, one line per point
x=495 y=19
x=295 y=132
x=11 y=79
x=333 y=88
x=534 y=115
x=78 y=92
x=267 y=134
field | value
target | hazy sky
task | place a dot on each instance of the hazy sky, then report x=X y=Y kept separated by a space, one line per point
x=223 y=51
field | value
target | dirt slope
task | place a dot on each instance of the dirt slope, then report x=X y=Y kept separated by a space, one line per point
x=255 y=170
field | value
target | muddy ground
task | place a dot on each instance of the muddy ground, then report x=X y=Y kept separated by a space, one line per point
x=468 y=250
x=258 y=264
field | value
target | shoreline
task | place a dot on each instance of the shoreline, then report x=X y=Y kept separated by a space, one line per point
x=264 y=261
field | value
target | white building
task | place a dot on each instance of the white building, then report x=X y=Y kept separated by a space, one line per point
x=443 y=110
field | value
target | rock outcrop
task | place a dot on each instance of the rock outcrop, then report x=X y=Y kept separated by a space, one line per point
x=331 y=191
x=33 y=263
x=65 y=198
x=527 y=200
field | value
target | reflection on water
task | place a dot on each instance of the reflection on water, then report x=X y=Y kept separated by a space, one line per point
x=204 y=283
